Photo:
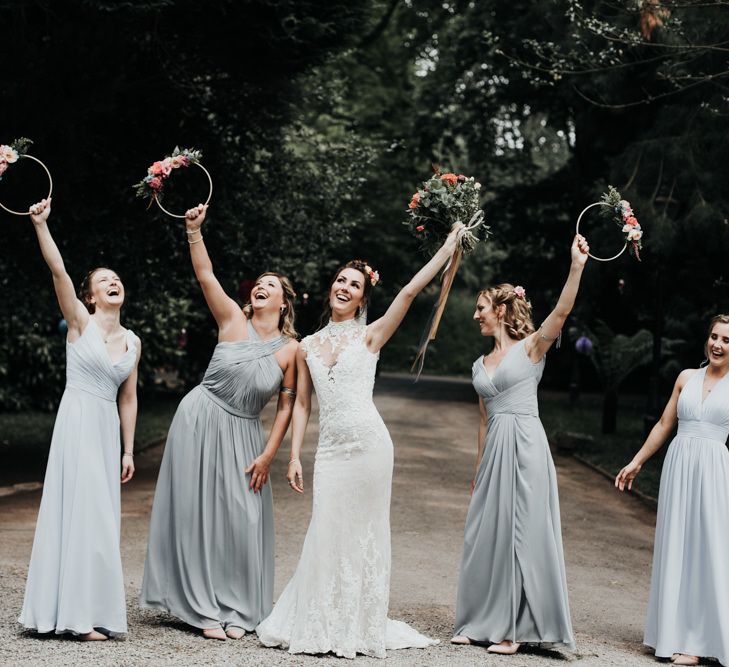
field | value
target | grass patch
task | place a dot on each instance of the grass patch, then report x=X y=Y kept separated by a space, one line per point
x=610 y=452
x=25 y=437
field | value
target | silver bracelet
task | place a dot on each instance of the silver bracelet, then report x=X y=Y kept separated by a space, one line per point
x=196 y=241
x=288 y=391
x=128 y=454
x=294 y=461
x=193 y=231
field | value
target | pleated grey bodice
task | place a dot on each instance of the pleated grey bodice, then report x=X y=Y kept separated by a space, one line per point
x=243 y=375
x=89 y=367
x=513 y=387
x=707 y=419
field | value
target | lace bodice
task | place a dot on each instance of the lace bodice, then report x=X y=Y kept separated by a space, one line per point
x=343 y=372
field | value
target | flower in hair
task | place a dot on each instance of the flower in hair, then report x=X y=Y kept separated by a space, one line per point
x=520 y=292
x=373 y=275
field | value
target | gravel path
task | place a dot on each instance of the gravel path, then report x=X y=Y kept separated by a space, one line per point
x=608 y=542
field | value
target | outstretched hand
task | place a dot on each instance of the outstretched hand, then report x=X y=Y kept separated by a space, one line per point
x=453 y=237
x=627 y=475
x=195 y=216
x=39 y=212
x=580 y=250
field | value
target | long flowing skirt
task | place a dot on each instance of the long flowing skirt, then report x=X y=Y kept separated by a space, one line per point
x=211 y=538
x=338 y=598
x=512 y=583
x=75 y=581
x=688 y=607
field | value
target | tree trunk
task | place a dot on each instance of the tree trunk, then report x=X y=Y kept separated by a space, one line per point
x=610 y=410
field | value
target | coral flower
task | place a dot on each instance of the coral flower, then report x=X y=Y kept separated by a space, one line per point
x=420 y=228
x=414 y=201
x=632 y=221
x=452 y=179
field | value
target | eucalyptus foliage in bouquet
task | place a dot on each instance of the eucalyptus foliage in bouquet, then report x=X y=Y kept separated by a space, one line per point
x=443 y=201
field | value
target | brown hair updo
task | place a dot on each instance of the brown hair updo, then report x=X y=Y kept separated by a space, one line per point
x=286 y=320
x=84 y=291
x=358 y=265
x=518 y=315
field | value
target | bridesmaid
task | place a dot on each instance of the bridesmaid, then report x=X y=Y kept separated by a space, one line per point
x=512 y=587
x=211 y=539
x=75 y=582
x=688 y=608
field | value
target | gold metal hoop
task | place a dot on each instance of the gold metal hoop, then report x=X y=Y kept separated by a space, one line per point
x=207 y=201
x=50 y=188
x=577 y=231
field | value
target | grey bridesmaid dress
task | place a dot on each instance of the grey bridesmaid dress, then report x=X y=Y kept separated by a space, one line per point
x=688 y=607
x=512 y=583
x=75 y=581
x=211 y=538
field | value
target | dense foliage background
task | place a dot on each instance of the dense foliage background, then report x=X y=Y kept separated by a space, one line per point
x=319 y=118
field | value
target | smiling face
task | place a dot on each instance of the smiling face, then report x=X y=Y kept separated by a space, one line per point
x=347 y=293
x=486 y=316
x=717 y=347
x=102 y=288
x=268 y=294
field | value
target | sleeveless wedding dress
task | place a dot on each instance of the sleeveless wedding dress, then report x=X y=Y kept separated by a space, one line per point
x=338 y=598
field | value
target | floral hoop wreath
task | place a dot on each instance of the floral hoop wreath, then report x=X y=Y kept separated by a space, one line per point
x=620 y=212
x=152 y=185
x=10 y=154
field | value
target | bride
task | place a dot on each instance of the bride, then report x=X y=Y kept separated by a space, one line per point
x=338 y=598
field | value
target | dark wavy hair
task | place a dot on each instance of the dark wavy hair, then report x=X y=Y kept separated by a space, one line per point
x=358 y=265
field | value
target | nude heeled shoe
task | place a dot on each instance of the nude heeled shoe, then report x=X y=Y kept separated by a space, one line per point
x=504 y=649
x=684 y=659
x=214 y=633
x=460 y=639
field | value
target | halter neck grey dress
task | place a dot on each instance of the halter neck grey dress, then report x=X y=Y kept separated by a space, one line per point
x=211 y=539
x=75 y=581
x=512 y=582
x=688 y=608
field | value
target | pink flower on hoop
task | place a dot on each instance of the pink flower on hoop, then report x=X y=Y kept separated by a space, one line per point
x=520 y=292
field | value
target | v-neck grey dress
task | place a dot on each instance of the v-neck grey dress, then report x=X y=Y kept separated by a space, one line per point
x=512 y=582
x=211 y=540
x=688 y=608
x=75 y=581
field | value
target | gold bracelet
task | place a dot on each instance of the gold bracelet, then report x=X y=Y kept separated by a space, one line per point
x=192 y=231
x=128 y=454
x=196 y=241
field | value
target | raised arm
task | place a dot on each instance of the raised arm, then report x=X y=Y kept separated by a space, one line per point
x=74 y=312
x=127 y=405
x=259 y=469
x=381 y=330
x=658 y=435
x=541 y=340
x=302 y=410
x=224 y=309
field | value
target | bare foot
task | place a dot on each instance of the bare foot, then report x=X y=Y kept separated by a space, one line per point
x=504 y=648
x=683 y=659
x=214 y=633
x=93 y=636
x=460 y=639
x=235 y=632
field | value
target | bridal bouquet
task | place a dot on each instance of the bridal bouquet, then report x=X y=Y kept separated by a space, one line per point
x=442 y=201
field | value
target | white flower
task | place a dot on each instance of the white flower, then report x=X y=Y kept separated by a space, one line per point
x=477 y=186
x=627 y=228
x=634 y=234
x=9 y=154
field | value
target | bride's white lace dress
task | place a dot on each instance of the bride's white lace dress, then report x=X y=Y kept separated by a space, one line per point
x=338 y=598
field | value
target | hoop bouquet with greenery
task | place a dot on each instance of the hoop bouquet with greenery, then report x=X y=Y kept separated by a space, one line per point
x=9 y=155
x=444 y=200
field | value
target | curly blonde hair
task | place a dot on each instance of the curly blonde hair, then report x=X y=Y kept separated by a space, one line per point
x=518 y=315
x=286 y=320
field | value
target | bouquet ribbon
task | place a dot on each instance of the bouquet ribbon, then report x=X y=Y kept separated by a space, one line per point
x=447 y=277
